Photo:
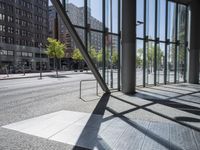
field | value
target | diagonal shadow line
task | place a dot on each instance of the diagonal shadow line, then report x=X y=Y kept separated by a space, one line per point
x=150 y=92
x=157 y=113
x=175 y=92
x=167 y=102
x=165 y=90
x=180 y=99
x=145 y=131
x=99 y=110
x=177 y=88
x=125 y=112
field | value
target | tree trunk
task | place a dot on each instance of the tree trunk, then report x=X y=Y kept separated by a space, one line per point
x=57 y=67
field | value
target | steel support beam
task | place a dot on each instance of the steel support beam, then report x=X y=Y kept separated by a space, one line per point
x=60 y=10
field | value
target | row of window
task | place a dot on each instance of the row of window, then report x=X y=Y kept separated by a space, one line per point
x=11 y=53
x=23 y=42
x=4 y=28
x=9 y=40
x=24 y=33
x=29 y=5
x=29 y=24
x=3 y=17
x=23 y=13
x=25 y=54
x=7 y=7
x=7 y=53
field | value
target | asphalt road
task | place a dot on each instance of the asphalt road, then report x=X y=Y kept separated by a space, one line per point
x=22 y=99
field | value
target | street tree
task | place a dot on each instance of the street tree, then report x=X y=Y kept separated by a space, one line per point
x=56 y=50
x=76 y=55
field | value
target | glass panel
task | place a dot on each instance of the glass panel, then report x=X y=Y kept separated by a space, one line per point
x=150 y=23
x=181 y=23
x=95 y=18
x=180 y=63
x=111 y=60
x=81 y=34
x=150 y=63
x=160 y=62
x=161 y=19
x=112 y=15
x=170 y=63
x=171 y=21
x=140 y=18
x=139 y=63
x=75 y=11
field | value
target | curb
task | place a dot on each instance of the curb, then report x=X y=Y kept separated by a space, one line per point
x=25 y=77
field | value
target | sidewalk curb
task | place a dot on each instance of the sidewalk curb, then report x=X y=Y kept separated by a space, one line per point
x=25 y=77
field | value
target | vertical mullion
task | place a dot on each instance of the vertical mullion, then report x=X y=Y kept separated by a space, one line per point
x=186 y=44
x=119 y=47
x=64 y=4
x=176 y=45
x=155 y=44
x=86 y=23
x=166 y=43
x=144 y=45
x=104 y=38
x=111 y=47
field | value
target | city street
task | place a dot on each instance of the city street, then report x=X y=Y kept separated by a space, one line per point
x=22 y=99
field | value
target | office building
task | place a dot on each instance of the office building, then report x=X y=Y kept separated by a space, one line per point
x=23 y=29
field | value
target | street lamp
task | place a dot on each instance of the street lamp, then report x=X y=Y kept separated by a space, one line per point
x=40 y=46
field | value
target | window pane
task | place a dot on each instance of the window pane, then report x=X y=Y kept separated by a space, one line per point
x=161 y=19
x=95 y=14
x=139 y=63
x=172 y=22
x=140 y=18
x=150 y=23
x=75 y=11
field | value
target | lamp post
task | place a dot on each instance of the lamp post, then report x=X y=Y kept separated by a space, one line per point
x=40 y=46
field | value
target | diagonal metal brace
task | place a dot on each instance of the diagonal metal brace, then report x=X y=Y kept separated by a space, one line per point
x=65 y=18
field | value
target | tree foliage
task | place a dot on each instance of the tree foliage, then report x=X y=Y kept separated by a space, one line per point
x=76 y=55
x=55 y=48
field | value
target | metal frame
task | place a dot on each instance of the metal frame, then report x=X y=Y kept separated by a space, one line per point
x=60 y=10
x=144 y=45
x=156 y=42
x=176 y=45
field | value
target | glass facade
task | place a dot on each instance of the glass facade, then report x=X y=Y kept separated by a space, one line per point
x=99 y=22
x=162 y=40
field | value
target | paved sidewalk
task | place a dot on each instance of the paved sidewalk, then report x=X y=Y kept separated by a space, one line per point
x=35 y=75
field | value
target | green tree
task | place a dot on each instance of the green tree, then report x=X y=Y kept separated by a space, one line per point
x=76 y=55
x=56 y=50
x=93 y=54
x=139 y=57
x=114 y=57
x=151 y=58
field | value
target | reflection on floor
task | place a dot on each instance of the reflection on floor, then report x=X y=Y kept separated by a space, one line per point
x=164 y=117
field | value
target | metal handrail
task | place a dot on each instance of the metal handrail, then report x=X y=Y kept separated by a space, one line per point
x=80 y=96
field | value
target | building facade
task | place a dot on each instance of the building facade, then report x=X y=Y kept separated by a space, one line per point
x=23 y=34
